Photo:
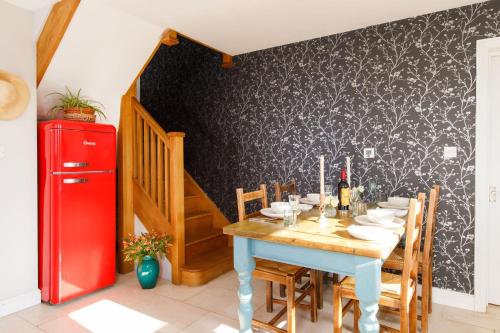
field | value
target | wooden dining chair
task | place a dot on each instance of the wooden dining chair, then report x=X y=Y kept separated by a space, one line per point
x=276 y=272
x=279 y=189
x=425 y=259
x=398 y=291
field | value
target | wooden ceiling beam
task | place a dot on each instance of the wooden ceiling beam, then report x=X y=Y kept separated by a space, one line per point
x=53 y=31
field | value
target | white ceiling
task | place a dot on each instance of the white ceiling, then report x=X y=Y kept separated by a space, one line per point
x=31 y=4
x=243 y=26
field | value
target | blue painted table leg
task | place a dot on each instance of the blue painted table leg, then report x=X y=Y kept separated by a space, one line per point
x=244 y=264
x=368 y=292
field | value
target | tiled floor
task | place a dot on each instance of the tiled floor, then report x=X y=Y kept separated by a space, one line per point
x=125 y=307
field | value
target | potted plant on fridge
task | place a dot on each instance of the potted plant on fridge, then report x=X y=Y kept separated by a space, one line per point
x=75 y=106
x=145 y=249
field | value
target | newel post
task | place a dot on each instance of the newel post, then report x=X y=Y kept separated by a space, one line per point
x=125 y=193
x=176 y=187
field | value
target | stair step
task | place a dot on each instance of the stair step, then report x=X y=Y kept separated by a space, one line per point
x=203 y=245
x=191 y=196
x=202 y=236
x=207 y=267
x=193 y=215
x=198 y=226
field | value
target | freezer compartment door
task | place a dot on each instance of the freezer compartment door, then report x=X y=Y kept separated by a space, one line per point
x=75 y=150
x=83 y=234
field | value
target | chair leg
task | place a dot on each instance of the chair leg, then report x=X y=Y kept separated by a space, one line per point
x=425 y=301
x=413 y=312
x=357 y=315
x=337 y=309
x=319 y=288
x=430 y=290
x=314 y=294
x=269 y=296
x=282 y=291
x=403 y=318
x=290 y=303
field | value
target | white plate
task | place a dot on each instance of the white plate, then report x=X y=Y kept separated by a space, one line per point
x=269 y=212
x=307 y=202
x=396 y=223
x=397 y=212
x=305 y=207
x=385 y=204
x=369 y=233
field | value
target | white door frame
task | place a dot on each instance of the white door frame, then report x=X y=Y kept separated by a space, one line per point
x=485 y=48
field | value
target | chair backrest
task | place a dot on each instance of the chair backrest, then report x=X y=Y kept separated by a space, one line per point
x=290 y=188
x=412 y=247
x=242 y=198
x=431 y=225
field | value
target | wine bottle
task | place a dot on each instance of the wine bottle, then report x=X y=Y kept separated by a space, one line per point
x=344 y=191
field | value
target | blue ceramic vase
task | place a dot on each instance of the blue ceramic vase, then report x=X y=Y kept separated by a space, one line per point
x=147 y=271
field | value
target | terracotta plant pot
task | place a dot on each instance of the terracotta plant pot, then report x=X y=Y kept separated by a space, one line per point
x=83 y=114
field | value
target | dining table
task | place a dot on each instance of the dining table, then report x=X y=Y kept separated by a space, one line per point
x=327 y=247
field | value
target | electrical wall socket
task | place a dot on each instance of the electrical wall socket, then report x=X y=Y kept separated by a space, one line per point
x=449 y=152
x=369 y=152
x=2 y=152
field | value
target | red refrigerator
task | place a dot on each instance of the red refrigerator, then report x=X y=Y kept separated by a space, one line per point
x=77 y=222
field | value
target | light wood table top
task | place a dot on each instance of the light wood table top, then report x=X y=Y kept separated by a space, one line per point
x=334 y=238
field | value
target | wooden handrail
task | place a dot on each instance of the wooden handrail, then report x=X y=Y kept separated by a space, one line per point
x=158 y=175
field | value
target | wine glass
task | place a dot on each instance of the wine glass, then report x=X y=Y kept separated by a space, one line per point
x=294 y=201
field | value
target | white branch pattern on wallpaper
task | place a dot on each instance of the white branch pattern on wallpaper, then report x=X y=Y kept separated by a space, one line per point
x=406 y=88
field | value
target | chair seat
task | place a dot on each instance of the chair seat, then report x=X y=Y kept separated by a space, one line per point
x=278 y=268
x=395 y=260
x=390 y=288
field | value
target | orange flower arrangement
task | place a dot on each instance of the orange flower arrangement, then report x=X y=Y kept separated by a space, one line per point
x=147 y=244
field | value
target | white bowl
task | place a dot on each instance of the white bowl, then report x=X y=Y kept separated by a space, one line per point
x=280 y=207
x=313 y=197
x=399 y=201
x=380 y=216
x=305 y=207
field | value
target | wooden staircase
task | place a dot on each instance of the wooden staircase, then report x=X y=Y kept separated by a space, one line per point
x=167 y=199
x=208 y=252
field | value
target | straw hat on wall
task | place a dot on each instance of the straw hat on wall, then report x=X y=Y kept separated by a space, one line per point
x=14 y=96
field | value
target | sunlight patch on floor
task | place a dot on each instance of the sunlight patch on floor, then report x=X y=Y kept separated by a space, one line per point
x=225 y=329
x=107 y=316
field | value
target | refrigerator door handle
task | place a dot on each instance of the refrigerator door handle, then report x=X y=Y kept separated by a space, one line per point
x=75 y=164
x=75 y=180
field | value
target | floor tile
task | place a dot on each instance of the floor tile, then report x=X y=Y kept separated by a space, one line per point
x=180 y=293
x=13 y=323
x=215 y=323
x=177 y=315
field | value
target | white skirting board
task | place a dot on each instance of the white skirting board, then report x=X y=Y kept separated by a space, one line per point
x=453 y=298
x=18 y=303
x=450 y=298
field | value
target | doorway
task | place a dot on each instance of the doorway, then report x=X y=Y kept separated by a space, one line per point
x=487 y=229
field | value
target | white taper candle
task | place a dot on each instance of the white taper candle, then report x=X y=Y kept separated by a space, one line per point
x=322 y=176
x=348 y=170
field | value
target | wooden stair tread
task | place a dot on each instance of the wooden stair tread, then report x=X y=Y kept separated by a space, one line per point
x=191 y=196
x=209 y=259
x=195 y=214
x=204 y=236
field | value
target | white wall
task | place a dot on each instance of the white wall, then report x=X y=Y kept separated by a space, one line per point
x=18 y=170
x=101 y=52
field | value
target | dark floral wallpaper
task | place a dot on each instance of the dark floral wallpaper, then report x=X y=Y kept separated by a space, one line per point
x=406 y=88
